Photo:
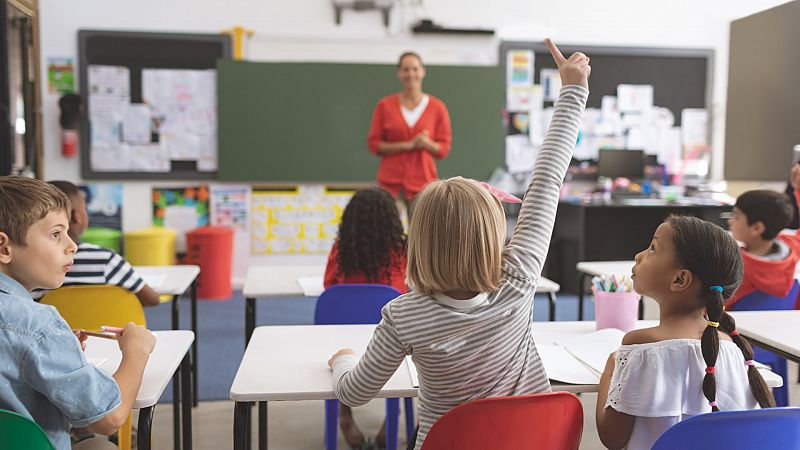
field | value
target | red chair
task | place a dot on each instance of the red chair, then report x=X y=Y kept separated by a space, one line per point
x=553 y=421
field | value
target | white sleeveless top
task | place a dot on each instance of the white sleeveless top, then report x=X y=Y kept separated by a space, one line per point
x=661 y=383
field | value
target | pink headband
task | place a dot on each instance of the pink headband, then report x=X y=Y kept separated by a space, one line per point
x=500 y=194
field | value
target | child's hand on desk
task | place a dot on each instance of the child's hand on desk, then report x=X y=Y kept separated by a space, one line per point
x=574 y=70
x=795 y=177
x=342 y=352
x=136 y=338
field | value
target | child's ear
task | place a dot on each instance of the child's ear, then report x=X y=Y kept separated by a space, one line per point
x=758 y=227
x=681 y=281
x=5 y=249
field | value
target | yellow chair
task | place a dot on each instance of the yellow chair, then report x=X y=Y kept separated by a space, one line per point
x=92 y=306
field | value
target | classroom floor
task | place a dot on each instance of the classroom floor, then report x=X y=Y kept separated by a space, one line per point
x=295 y=425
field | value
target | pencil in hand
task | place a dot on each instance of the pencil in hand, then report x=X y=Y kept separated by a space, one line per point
x=104 y=335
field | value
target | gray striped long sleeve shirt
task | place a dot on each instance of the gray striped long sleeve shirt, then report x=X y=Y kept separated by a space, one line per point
x=485 y=348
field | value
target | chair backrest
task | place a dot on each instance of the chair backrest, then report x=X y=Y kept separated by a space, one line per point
x=759 y=301
x=91 y=306
x=735 y=430
x=346 y=304
x=17 y=432
x=552 y=420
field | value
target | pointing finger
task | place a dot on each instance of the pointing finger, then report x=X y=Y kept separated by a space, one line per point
x=557 y=56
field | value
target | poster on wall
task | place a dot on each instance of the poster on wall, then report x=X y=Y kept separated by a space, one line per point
x=296 y=221
x=230 y=207
x=60 y=75
x=103 y=204
x=182 y=209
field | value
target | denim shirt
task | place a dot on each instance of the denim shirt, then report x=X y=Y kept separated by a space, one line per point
x=43 y=372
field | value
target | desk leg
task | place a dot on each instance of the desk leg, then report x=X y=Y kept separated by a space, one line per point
x=581 y=282
x=186 y=400
x=249 y=319
x=241 y=426
x=176 y=410
x=195 y=355
x=262 y=426
x=144 y=433
x=552 y=297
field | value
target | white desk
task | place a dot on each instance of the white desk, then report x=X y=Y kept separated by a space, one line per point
x=288 y=363
x=281 y=281
x=177 y=280
x=775 y=331
x=169 y=354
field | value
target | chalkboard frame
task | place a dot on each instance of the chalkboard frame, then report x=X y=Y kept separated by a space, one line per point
x=177 y=51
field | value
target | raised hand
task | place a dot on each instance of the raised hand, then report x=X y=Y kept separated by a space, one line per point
x=574 y=70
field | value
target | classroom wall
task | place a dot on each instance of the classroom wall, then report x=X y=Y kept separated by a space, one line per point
x=304 y=30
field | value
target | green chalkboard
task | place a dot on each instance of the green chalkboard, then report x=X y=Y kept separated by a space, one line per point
x=308 y=122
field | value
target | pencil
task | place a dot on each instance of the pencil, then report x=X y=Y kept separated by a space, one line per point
x=111 y=336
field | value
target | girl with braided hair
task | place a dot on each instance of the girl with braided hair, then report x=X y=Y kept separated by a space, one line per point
x=694 y=361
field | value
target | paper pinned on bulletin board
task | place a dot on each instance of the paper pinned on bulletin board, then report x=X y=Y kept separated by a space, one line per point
x=694 y=127
x=520 y=67
x=300 y=220
x=230 y=206
x=550 y=80
x=520 y=153
x=182 y=209
x=104 y=204
x=60 y=75
x=634 y=98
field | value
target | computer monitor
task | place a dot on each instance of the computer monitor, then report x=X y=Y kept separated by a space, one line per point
x=621 y=163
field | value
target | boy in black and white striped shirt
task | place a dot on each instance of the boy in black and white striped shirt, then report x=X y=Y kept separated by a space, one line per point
x=93 y=264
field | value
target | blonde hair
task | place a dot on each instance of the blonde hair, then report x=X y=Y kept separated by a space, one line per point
x=25 y=201
x=456 y=238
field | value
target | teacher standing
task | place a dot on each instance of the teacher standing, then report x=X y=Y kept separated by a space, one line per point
x=409 y=131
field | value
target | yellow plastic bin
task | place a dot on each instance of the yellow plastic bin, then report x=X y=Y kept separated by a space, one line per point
x=150 y=246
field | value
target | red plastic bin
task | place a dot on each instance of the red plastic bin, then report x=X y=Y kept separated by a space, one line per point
x=211 y=248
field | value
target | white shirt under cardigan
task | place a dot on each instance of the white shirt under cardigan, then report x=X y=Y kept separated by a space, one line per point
x=661 y=383
x=411 y=116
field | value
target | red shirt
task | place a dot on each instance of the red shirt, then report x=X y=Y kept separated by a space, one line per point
x=409 y=170
x=397 y=274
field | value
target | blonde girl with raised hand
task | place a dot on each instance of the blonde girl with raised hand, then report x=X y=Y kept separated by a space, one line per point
x=467 y=320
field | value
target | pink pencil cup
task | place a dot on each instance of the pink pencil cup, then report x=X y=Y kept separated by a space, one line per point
x=616 y=309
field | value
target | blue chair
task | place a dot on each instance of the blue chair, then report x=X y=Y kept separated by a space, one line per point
x=348 y=304
x=735 y=430
x=759 y=301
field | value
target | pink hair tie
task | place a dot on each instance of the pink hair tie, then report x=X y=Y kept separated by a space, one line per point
x=500 y=194
x=713 y=404
x=711 y=370
x=749 y=362
x=734 y=333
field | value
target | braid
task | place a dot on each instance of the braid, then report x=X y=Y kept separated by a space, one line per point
x=709 y=344
x=758 y=386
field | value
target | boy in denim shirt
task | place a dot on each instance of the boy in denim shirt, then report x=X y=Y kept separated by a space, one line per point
x=43 y=372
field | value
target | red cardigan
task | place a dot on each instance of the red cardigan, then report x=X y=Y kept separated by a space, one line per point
x=397 y=275
x=409 y=170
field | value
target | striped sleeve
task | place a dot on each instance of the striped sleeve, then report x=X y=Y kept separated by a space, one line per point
x=525 y=254
x=356 y=383
x=119 y=272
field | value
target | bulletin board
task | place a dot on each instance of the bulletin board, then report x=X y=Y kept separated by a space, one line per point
x=680 y=83
x=149 y=104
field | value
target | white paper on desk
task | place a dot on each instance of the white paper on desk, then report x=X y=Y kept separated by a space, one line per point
x=561 y=366
x=520 y=153
x=154 y=280
x=694 y=126
x=634 y=97
x=311 y=286
x=593 y=348
x=412 y=371
x=97 y=362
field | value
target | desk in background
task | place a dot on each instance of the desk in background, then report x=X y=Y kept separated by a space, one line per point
x=614 y=231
